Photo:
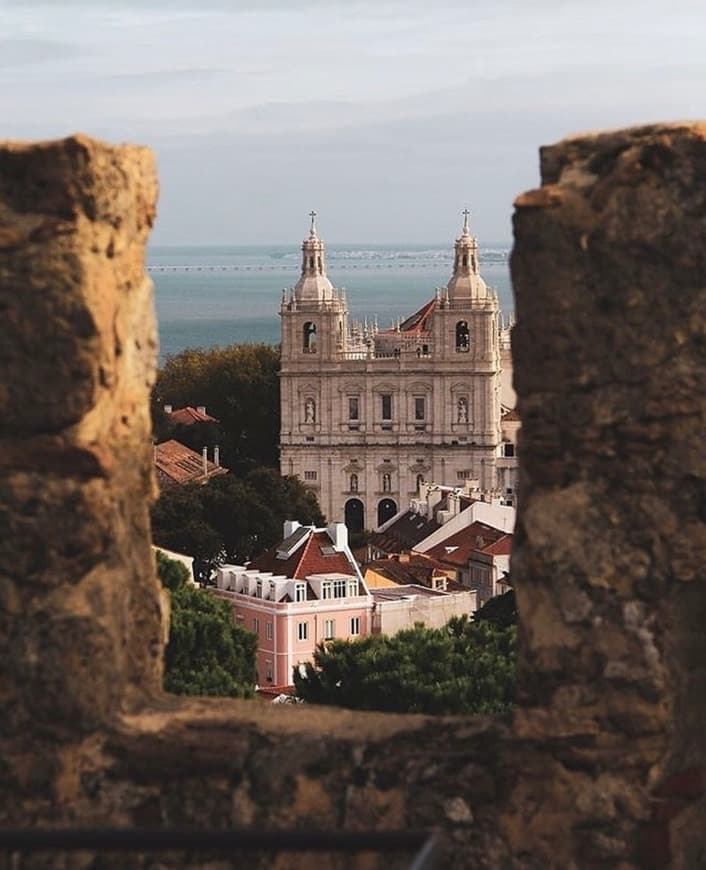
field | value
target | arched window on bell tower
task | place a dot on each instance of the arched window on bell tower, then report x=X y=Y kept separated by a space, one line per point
x=309 y=337
x=463 y=339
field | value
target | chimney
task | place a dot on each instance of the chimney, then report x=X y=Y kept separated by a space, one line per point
x=217 y=456
x=403 y=558
x=204 y=456
x=167 y=409
x=290 y=527
x=201 y=409
x=338 y=533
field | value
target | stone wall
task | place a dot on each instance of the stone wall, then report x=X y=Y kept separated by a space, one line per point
x=603 y=763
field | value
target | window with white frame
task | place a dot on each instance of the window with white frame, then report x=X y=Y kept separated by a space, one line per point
x=303 y=630
x=258 y=589
x=355 y=625
x=352 y=587
x=339 y=588
x=300 y=591
x=268 y=630
x=256 y=625
x=329 y=629
x=326 y=589
x=269 y=672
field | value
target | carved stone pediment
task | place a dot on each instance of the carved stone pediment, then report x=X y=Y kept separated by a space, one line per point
x=354 y=467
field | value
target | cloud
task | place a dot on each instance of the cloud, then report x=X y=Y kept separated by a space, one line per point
x=26 y=51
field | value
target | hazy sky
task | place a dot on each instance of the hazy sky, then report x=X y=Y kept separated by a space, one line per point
x=386 y=117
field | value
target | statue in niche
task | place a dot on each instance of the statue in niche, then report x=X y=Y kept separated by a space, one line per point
x=310 y=411
x=462 y=410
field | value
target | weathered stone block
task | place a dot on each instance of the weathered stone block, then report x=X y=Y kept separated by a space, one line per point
x=603 y=765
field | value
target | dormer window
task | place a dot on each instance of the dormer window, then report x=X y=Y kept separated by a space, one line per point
x=300 y=591
x=339 y=588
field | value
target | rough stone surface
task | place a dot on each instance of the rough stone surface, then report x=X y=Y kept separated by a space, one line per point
x=79 y=605
x=603 y=763
x=609 y=270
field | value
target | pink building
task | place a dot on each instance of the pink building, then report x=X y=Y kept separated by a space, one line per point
x=306 y=589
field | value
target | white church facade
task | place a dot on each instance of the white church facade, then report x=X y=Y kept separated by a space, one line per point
x=368 y=414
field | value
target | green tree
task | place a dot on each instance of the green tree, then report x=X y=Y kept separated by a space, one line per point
x=231 y=519
x=207 y=653
x=465 y=667
x=239 y=385
x=179 y=523
x=501 y=609
x=172 y=573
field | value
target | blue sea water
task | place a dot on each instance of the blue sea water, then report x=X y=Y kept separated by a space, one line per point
x=215 y=296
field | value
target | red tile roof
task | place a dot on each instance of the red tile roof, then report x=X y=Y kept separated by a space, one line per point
x=458 y=548
x=510 y=415
x=418 y=570
x=188 y=416
x=418 y=323
x=177 y=463
x=314 y=556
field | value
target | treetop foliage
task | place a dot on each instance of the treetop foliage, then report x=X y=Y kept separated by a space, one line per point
x=464 y=667
x=231 y=519
x=239 y=385
x=207 y=653
x=501 y=609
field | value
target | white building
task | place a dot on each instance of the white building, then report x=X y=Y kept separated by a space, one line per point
x=368 y=414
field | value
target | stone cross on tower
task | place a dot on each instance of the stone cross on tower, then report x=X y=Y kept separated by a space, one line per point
x=312 y=229
x=466 y=215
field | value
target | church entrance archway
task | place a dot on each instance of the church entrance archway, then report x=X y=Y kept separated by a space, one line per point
x=355 y=515
x=387 y=508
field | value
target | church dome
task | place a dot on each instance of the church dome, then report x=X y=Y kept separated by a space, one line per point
x=313 y=285
x=466 y=284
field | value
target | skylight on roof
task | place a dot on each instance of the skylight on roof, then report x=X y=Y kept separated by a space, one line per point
x=291 y=544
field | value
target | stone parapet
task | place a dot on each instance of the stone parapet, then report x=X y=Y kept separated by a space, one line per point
x=602 y=764
x=80 y=605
